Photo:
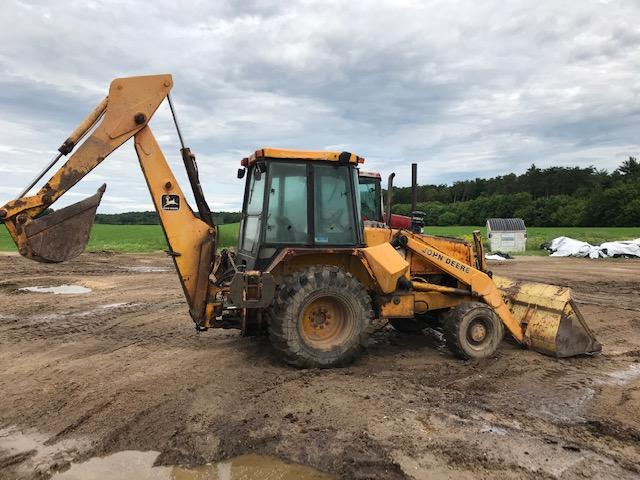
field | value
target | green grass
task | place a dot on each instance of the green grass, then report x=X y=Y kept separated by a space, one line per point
x=149 y=238
x=6 y=244
x=130 y=238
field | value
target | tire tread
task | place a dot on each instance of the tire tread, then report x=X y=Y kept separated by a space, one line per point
x=451 y=326
x=288 y=300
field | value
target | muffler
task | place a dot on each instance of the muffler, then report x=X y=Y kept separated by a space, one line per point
x=550 y=318
x=59 y=236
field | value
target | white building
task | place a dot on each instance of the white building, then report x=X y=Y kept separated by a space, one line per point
x=507 y=234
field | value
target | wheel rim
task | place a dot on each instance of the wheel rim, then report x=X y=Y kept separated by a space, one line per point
x=325 y=323
x=479 y=332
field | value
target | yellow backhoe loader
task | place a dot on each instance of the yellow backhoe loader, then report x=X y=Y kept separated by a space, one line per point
x=306 y=269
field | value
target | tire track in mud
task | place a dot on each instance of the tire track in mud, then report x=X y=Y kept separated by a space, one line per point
x=66 y=323
x=550 y=398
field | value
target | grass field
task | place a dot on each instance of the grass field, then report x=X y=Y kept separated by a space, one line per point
x=129 y=238
x=149 y=238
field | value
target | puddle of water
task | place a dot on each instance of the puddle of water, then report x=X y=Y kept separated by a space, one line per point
x=146 y=269
x=32 y=452
x=249 y=467
x=139 y=465
x=60 y=290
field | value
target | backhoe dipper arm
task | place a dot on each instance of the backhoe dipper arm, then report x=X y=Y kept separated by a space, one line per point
x=62 y=235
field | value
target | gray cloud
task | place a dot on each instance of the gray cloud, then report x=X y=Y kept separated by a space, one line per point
x=464 y=88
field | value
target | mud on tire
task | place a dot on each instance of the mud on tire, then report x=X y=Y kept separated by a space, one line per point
x=472 y=330
x=321 y=317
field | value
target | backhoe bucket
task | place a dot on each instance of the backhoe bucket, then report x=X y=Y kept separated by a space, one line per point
x=63 y=234
x=550 y=319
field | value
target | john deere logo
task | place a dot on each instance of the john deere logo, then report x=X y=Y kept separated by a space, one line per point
x=170 y=202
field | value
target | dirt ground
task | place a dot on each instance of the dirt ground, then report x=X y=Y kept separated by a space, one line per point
x=121 y=368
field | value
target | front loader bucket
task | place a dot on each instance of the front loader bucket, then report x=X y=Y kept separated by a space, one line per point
x=61 y=235
x=550 y=318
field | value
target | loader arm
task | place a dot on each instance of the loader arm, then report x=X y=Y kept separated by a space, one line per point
x=542 y=317
x=62 y=235
x=480 y=283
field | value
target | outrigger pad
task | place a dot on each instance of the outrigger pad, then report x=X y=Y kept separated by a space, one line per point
x=63 y=234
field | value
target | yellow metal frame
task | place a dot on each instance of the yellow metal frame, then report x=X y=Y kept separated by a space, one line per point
x=406 y=305
x=191 y=241
x=398 y=306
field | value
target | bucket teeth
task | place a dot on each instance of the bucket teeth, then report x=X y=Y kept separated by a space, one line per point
x=63 y=234
x=550 y=318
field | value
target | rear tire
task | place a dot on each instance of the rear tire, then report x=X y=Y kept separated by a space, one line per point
x=321 y=318
x=472 y=330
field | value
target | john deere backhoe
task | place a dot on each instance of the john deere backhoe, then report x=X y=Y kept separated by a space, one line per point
x=306 y=270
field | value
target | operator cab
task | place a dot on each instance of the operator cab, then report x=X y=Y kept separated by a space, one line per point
x=373 y=212
x=298 y=199
x=370 y=196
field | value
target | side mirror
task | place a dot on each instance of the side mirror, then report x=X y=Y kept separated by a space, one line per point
x=241 y=172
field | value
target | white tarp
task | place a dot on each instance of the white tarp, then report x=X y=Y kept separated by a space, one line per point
x=494 y=257
x=569 y=247
x=630 y=247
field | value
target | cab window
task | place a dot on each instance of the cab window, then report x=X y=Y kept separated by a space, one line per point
x=286 y=220
x=255 y=202
x=370 y=199
x=333 y=207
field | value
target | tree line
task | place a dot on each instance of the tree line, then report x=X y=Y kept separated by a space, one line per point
x=151 y=218
x=543 y=197
x=555 y=196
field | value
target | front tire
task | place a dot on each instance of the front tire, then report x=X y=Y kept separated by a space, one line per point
x=472 y=330
x=321 y=318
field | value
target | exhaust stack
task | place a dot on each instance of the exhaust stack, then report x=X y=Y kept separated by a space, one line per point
x=414 y=186
x=417 y=217
x=387 y=220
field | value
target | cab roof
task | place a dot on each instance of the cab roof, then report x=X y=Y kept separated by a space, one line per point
x=284 y=154
x=369 y=175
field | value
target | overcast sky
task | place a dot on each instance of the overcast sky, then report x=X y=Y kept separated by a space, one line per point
x=464 y=88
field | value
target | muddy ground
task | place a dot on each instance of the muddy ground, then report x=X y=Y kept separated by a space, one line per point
x=121 y=368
